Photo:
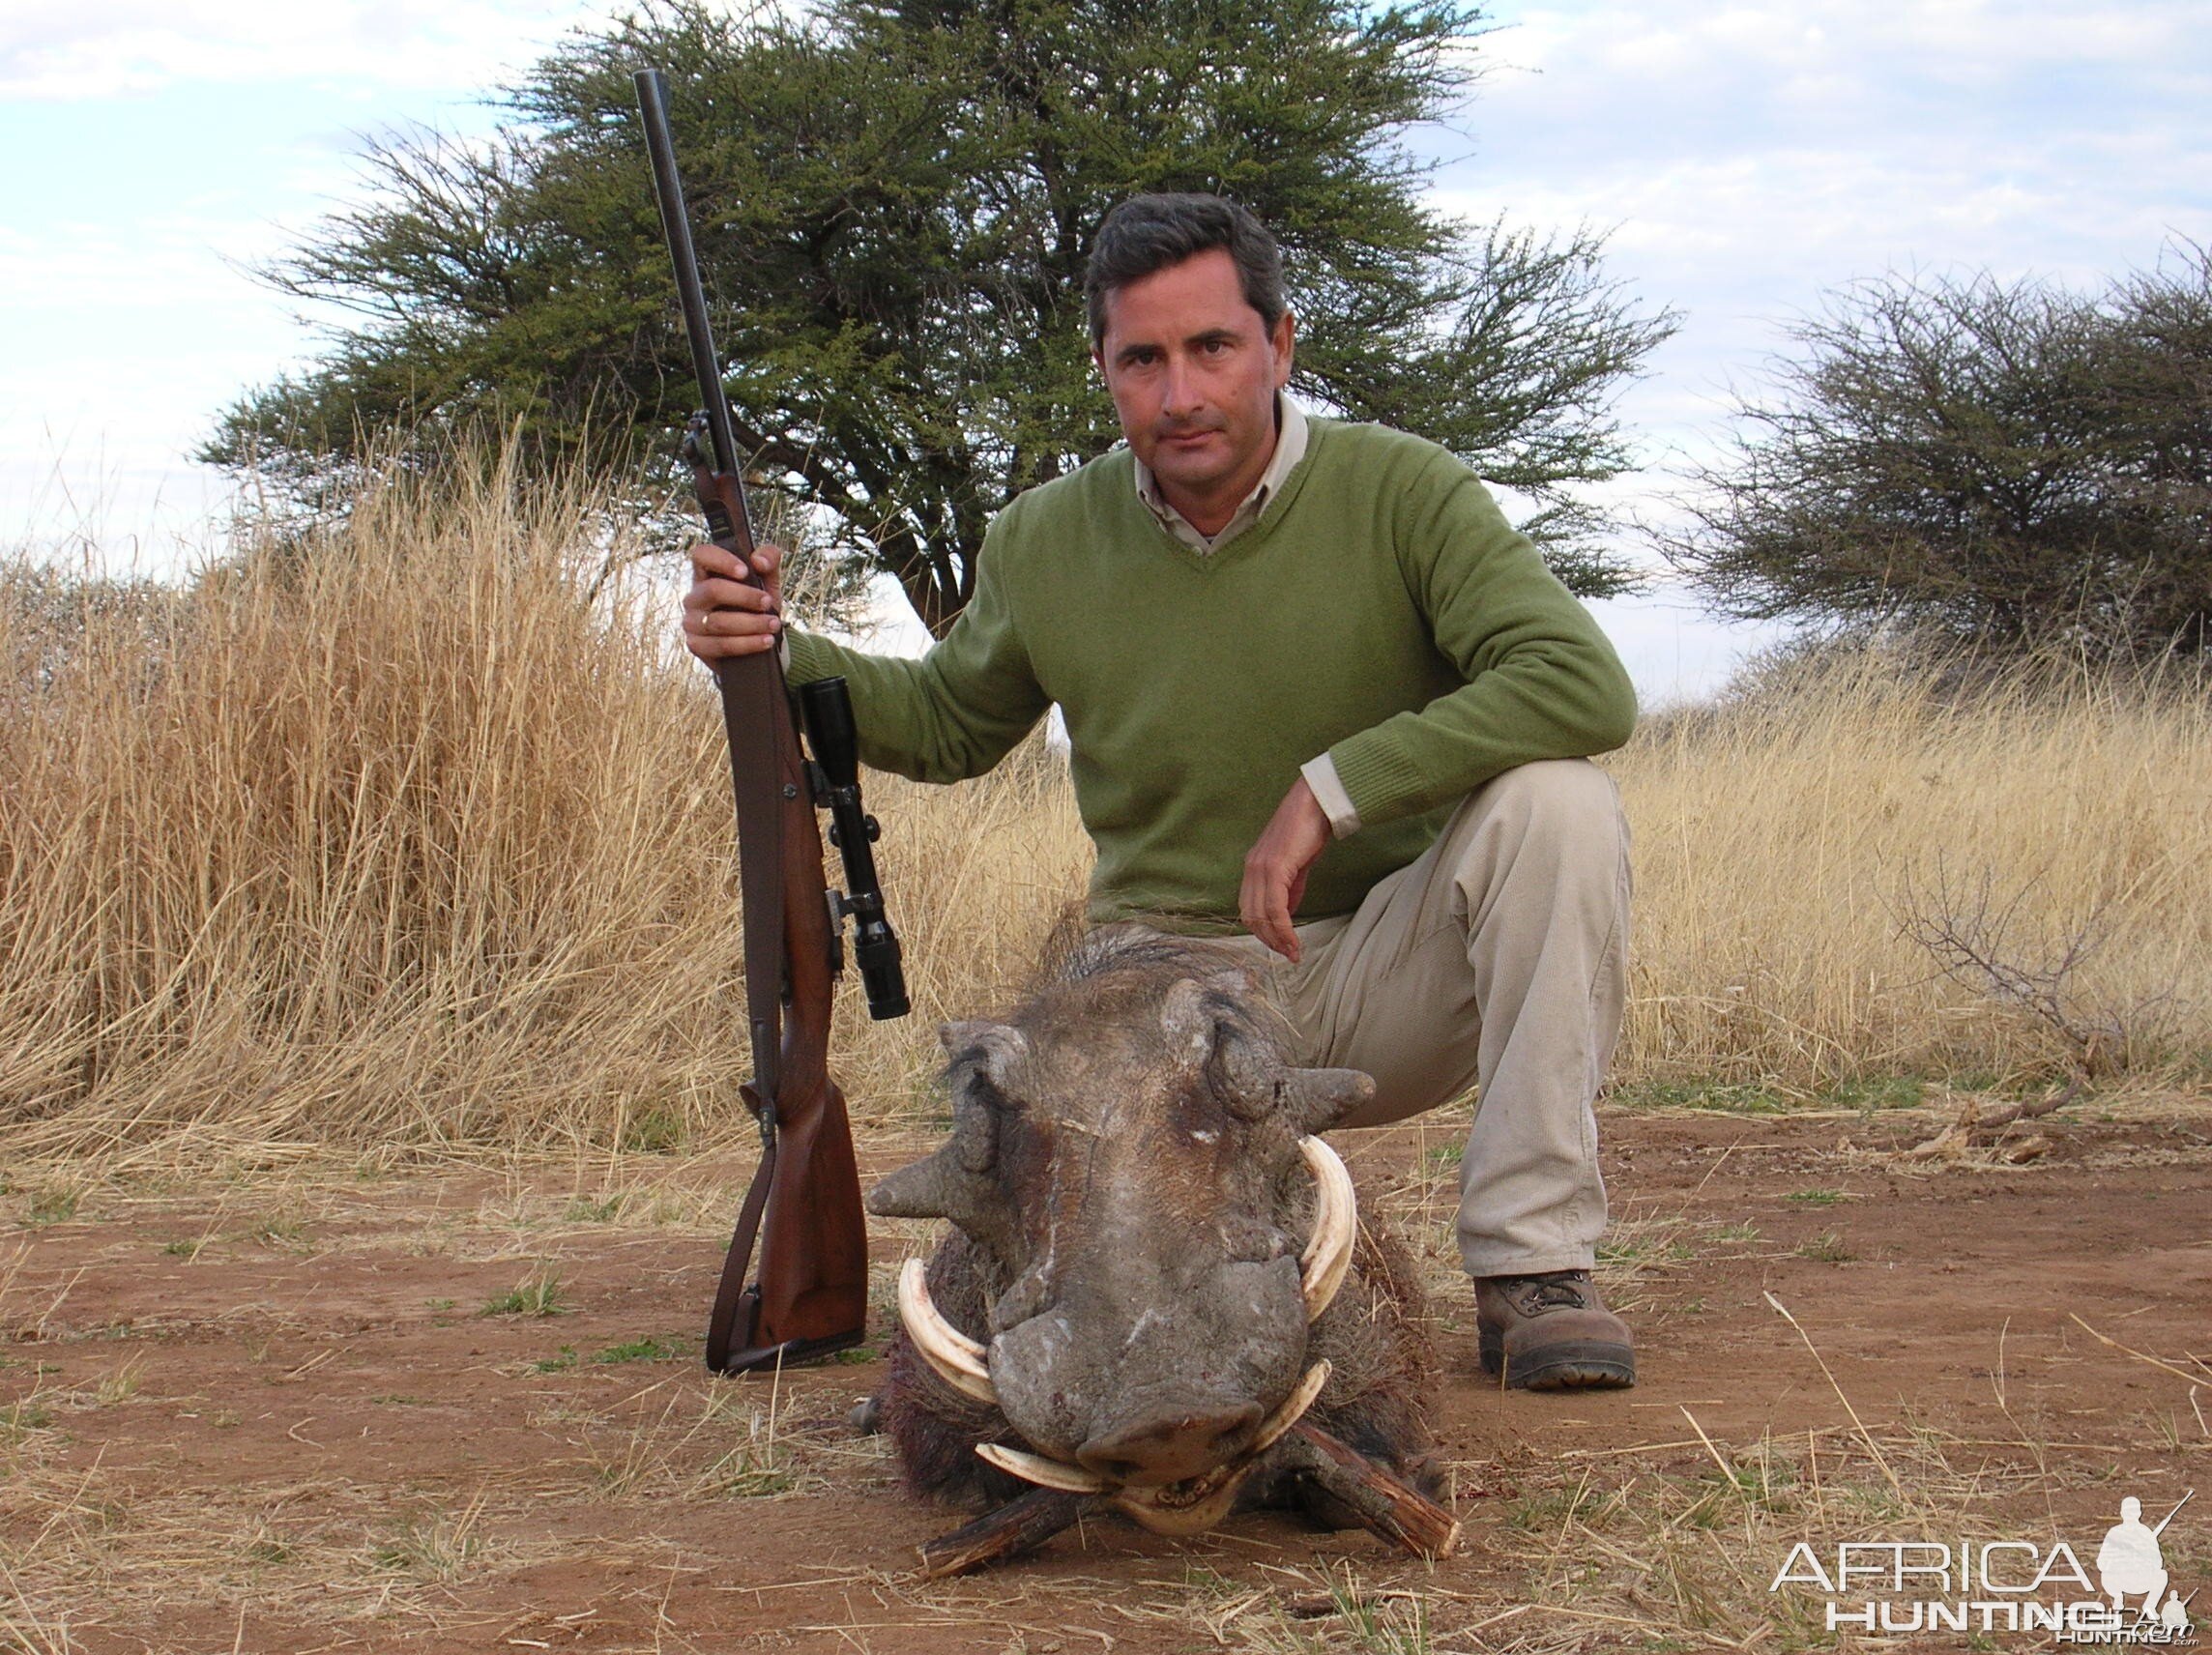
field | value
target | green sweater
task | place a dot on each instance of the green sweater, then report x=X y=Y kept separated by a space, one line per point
x=1381 y=609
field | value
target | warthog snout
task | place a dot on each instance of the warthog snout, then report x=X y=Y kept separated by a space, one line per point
x=1137 y=1375
x=1166 y=1440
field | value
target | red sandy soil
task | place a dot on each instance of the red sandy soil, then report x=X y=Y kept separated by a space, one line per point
x=270 y=1415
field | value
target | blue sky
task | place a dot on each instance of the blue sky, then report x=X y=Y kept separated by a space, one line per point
x=1745 y=160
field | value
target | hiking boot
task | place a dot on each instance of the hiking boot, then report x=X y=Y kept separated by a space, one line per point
x=1552 y=1333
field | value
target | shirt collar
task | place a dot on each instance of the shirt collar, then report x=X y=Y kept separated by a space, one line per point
x=1290 y=450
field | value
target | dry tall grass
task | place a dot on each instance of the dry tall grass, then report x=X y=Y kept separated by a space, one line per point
x=419 y=840
x=411 y=840
x=1809 y=859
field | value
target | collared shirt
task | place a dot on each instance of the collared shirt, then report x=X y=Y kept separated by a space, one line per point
x=1290 y=448
x=1319 y=771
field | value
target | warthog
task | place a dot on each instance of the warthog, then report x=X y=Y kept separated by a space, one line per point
x=1156 y=1292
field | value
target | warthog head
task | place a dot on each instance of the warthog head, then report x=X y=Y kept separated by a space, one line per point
x=1135 y=1166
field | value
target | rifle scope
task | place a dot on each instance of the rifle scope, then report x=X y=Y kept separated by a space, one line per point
x=826 y=711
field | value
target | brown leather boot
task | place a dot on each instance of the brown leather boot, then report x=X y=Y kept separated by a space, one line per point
x=1552 y=1333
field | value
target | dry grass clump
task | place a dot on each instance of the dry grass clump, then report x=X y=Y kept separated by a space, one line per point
x=417 y=837
x=78 y=1546
x=702 y=1445
x=417 y=834
x=1870 y=871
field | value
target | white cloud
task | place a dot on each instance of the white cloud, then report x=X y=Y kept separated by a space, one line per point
x=123 y=337
x=1750 y=160
x=2027 y=134
x=93 y=51
x=131 y=321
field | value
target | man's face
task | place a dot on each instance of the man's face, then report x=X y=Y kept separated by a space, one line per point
x=1194 y=373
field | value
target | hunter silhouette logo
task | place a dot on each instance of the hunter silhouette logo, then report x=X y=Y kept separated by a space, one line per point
x=2004 y=1585
x=2130 y=1563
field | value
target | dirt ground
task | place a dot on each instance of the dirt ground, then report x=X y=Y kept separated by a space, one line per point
x=325 y=1409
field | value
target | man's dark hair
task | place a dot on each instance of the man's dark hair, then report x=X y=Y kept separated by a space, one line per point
x=1149 y=233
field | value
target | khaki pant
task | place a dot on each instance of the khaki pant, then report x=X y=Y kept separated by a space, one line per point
x=1497 y=960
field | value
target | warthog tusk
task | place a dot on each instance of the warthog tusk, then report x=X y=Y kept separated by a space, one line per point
x=1336 y=1220
x=1185 y=1508
x=1294 y=1408
x=1188 y=1508
x=1046 y=1473
x=958 y=1360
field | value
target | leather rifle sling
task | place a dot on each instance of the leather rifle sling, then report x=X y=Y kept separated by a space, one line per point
x=755 y=714
x=723 y=1335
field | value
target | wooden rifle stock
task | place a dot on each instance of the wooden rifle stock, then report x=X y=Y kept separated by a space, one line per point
x=810 y=1294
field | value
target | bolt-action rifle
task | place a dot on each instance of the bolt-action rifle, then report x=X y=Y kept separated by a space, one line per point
x=810 y=1297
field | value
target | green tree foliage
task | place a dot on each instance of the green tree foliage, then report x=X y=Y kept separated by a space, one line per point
x=2008 y=466
x=893 y=202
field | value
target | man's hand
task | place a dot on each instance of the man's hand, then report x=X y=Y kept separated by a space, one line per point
x=1275 y=868
x=725 y=615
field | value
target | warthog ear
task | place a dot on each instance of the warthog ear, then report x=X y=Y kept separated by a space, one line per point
x=1250 y=1076
x=1206 y=1031
x=983 y=1057
x=1195 y=1010
x=996 y=1046
x=920 y=1189
x=1188 y=1022
x=1317 y=1099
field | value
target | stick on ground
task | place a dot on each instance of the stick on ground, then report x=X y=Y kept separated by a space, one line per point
x=1020 y=1526
x=1392 y=1508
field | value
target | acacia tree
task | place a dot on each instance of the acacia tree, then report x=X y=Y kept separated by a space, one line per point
x=2008 y=465
x=893 y=200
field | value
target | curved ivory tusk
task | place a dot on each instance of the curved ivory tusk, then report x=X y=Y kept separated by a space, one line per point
x=1336 y=1220
x=1292 y=1409
x=957 y=1359
x=1046 y=1473
x=1213 y=1501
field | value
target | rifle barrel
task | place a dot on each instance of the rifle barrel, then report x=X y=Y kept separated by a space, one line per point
x=676 y=223
x=2175 y=1513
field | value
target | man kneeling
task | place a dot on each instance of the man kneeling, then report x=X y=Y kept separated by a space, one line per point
x=1319 y=692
